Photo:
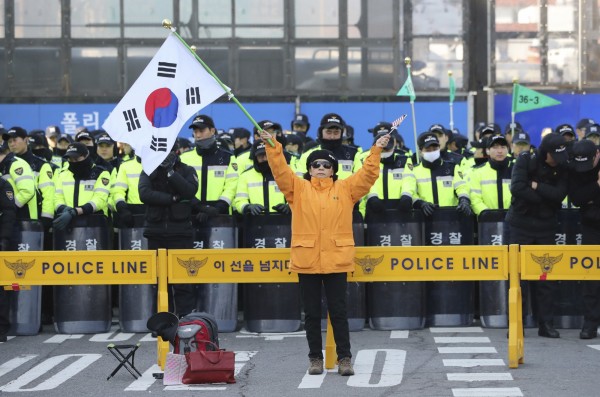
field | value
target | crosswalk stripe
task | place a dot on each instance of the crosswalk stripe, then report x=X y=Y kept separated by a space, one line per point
x=467 y=349
x=488 y=392
x=479 y=376
x=461 y=339
x=399 y=335
x=455 y=329
x=473 y=362
x=15 y=362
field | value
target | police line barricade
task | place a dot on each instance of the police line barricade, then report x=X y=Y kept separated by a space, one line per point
x=449 y=303
x=26 y=305
x=249 y=265
x=221 y=300
x=394 y=305
x=568 y=305
x=136 y=302
x=545 y=263
x=356 y=305
x=270 y=307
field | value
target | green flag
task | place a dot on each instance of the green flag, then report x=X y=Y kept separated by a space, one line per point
x=452 y=87
x=408 y=89
x=525 y=99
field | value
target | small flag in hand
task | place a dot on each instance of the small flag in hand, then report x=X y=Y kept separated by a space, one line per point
x=397 y=122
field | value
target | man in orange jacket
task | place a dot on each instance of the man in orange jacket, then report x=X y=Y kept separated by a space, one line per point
x=322 y=249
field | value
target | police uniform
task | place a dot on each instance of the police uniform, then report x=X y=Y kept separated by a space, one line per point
x=346 y=155
x=21 y=177
x=585 y=193
x=84 y=185
x=7 y=221
x=489 y=182
x=533 y=213
x=217 y=172
x=124 y=192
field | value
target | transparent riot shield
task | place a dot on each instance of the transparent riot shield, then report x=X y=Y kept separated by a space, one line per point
x=26 y=305
x=270 y=307
x=220 y=300
x=82 y=309
x=449 y=303
x=136 y=302
x=568 y=305
x=395 y=305
x=355 y=292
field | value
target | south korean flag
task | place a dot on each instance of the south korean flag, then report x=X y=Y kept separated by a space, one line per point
x=173 y=87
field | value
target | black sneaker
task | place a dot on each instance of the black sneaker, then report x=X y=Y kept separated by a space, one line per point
x=588 y=333
x=547 y=331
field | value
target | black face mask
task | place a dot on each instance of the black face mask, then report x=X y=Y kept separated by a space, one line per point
x=263 y=167
x=480 y=160
x=60 y=152
x=498 y=165
x=43 y=153
x=331 y=144
x=81 y=168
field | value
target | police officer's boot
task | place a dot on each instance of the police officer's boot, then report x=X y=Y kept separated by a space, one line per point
x=588 y=332
x=547 y=331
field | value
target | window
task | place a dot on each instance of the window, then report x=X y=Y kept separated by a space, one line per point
x=95 y=19
x=316 y=68
x=316 y=19
x=94 y=71
x=143 y=18
x=28 y=62
x=37 y=19
x=437 y=17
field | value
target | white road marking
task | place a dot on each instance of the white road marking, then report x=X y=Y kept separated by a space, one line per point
x=391 y=373
x=61 y=338
x=15 y=362
x=144 y=382
x=455 y=329
x=148 y=338
x=597 y=347
x=461 y=339
x=467 y=349
x=479 y=376
x=271 y=335
x=313 y=381
x=473 y=362
x=47 y=365
x=7 y=339
x=106 y=337
x=488 y=392
x=399 y=335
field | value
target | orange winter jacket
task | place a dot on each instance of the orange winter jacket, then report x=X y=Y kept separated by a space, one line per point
x=322 y=239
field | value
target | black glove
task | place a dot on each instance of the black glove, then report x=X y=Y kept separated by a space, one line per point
x=427 y=208
x=283 y=208
x=376 y=205
x=254 y=209
x=202 y=218
x=405 y=203
x=46 y=223
x=4 y=244
x=64 y=219
x=464 y=206
x=169 y=162
x=209 y=210
x=125 y=215
x=61 y=209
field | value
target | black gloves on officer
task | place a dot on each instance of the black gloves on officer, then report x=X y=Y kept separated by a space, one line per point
x=125 y=215
x=205 y=212
x=375 y=204
x=427 y=208
x=464 y=206
x=405 y=203
x=64 y=219
x=283 y=208
x=254 y=209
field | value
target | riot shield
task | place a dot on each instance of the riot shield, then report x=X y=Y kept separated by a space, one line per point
x=270 y=307
x=83 y=309
x=568 y=304
x=449 y=303
x=395 y=305
x=26 y=305
x=355 y=292
x=220 y=300
x=136 y=302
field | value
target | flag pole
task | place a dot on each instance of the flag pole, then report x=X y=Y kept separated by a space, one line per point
x=412 y=108
x=451 y=103
x=514 y=106
x=167 y=24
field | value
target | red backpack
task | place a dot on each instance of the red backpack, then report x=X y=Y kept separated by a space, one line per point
x=194 y=330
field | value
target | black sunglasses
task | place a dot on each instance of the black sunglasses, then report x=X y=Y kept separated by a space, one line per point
x=316 y=164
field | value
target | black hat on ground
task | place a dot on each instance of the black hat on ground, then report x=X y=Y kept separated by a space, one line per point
x=14 y=132
x=164 y=324
x=427 y=139
x=555 y=145
x=584 y=153
x=75 y=150
x=202 y=121
x=322 y=154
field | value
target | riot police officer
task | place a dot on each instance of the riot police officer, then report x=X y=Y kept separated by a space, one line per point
x=330 y=138
x=538 y=187
x=20 y=176
x=434 y=182
x=300 y=126
x=7 y=220
x=167 y=193
x=82 y=188
x=43 y=171
x=584 y=191
x=124 y=192
x=216 y=170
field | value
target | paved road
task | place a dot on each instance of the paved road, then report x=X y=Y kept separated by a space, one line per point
x=431 y=362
